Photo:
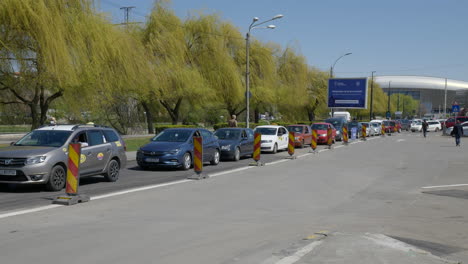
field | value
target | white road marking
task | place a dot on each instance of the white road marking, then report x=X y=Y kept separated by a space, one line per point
x=299 y=254
x=276 y=162
x=444 y=186
x=230 y=171
x=400 y=140
x=339 y=146
x=27 y=211
x=304 y=155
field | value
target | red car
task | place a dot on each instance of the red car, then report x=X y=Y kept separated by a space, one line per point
x=302 y=135
x=322 y=132
x=389 y=126
x=451 y=121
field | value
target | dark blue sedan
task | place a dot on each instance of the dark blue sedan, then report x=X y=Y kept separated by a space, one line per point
x=173 y=147
x=235 y=142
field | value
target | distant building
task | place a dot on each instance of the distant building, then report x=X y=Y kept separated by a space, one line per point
x=429 y=90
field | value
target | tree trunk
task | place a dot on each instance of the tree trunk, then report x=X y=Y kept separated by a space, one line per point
x=257 y=114
x=173 y=112
x=149 y=117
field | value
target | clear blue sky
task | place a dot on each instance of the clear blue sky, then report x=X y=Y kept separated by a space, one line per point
x=391 y=37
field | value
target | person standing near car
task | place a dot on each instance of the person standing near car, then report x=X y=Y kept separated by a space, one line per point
x=424 y=127
x=457 y=132
x=232 y=122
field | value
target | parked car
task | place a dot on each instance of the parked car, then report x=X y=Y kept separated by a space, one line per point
x=274 y=138
x=416 y=126
x=173 y=147
x=369 y=129
x=405 y=124
x=434 y=126
x=451 y=121
x=465 y=129
x=41 y=156
x=302 y=135
x=235 y=142
x=398 y=125
x=389 y=126
x=322 y=132
x=354 y=125
x=377 y=127
x=338 y=123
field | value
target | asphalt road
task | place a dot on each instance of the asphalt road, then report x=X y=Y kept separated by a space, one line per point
x=398 y=199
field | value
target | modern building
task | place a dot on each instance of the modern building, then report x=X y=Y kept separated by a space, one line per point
x=429 y=90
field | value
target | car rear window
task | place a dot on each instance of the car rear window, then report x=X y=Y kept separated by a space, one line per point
x=111 y=136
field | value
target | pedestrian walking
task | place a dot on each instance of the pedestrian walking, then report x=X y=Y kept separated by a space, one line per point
x=232 y=122
x=457 y=132
x=424 y=127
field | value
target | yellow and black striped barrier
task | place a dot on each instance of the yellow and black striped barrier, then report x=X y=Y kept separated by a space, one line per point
x=73 y=178
x=329 y=137
x=382 y=130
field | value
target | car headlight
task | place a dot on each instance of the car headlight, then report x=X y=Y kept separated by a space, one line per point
x=338 y=132
x=175 y=151
x=35 y=160
x=296 y=138
x=323 y=135
x=227 y=147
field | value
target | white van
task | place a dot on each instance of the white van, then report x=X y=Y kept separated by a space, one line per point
x=346 y=115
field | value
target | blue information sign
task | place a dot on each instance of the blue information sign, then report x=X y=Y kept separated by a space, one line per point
x=347 y=93
x=455 y=108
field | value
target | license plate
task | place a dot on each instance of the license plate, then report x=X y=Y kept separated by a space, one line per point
x=151 y=160
x=8 y=172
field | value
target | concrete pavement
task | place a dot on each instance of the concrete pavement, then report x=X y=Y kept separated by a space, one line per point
x=368 y=197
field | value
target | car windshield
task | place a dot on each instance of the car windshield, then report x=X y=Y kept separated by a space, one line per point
x=266 y=130
x=172 y=136
x=375 y=124
x=44 y=138
x=416 y=123
x=387 y=123
x=319 y=127
x=297 y=129
x=228 y=133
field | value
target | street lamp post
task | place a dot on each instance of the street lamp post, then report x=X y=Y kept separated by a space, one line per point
x=333 y=66
x=389 y=114
x=255 y=24
x=371 y=112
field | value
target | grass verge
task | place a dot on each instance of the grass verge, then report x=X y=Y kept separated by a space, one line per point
x=133 y=144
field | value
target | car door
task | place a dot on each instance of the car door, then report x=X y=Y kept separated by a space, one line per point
x=208 y=146
x=97 y=153
x=250 y=141
x=283 y=137
x=307 y=135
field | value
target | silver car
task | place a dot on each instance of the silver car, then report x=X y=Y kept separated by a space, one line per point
x=41 y=156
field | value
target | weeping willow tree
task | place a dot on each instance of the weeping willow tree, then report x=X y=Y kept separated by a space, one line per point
x=215 y=46
x=55 y=48
x=179 y=79
x=316 y=93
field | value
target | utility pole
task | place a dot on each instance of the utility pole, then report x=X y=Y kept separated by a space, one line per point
x=371 y=113
x=126 y=10
x=445 y=100
x=388 y=104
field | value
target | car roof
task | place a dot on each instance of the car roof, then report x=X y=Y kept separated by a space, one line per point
x=270 y=126
x=232 y=128
x=59 y=127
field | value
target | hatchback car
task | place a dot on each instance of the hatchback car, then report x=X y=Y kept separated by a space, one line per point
x=173 y=147
x=416 y=126
x=434 y=126
x=322 y=135
x=302 y=135
x=389 y=126
x=274 y=138
x=377 y=127
x=464 y=126
x=235 y=142
x=451 y=121
x=369 y=129
x=338 y=123
x=41 y=156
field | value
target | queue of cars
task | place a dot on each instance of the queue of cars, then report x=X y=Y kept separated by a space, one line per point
x=41 y=156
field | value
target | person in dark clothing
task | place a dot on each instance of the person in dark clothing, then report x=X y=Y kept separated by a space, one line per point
x=457 y=132
x=424 y=127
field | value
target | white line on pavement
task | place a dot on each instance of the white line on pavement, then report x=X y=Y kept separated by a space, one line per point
x=400 y=140
x=276 y=162
x=299 y=254
x=339 y=146
x=230 y=171
x=42 y=208
x=444 y=186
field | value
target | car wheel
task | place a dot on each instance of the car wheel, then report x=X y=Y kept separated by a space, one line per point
x=437 y=129
x=399 y=130
x=57 y=179
x=302 y=144
x=215 y=160
x=113 y=171
x=275 y=149
x=237 y=154
x=187 y=161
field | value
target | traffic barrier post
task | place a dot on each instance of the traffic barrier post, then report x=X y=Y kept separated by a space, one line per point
x=364 y=132
x=291 y=146
x=73 y=178
x=329 y=137
x=313 y=144
x=257 y=150
x=382 y=130
x=345 y=135
x=198 y=158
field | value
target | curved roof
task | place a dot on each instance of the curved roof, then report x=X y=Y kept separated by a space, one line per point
x=419 y=82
